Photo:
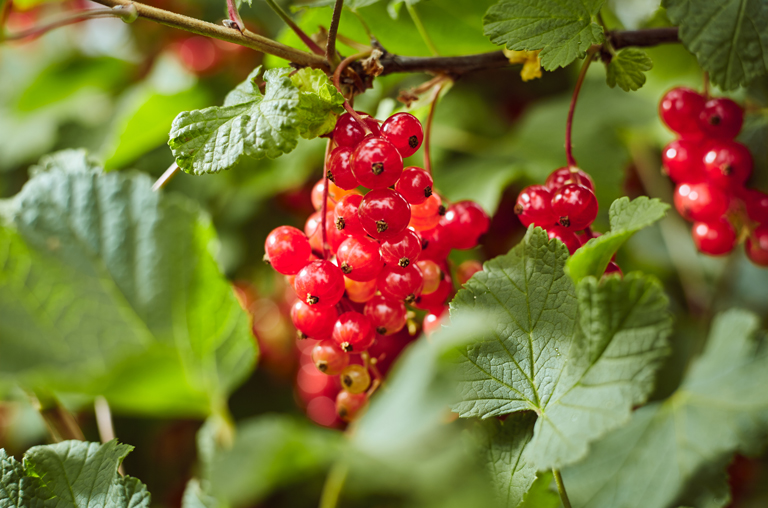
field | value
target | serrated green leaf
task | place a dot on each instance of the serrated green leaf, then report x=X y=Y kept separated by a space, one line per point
x=627 y=69
x=728 y=37
x=675 y=452
x=103 y=280
x=540 y=495
x=580 y=357
x=563 y=31
x=627 y=218
x=320 y=102
x=16 y=488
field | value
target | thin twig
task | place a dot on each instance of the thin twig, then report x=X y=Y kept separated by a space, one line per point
x=306 y=39
x=330 y=47
x=104 y=424
x=569 y=121
x=234 y=15
x=561 y=488
x=438 y=87
x=324 y=207
x=169 y=173
x=69 y=19
x=337 y=82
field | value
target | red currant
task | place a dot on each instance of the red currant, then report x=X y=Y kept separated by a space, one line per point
x=315 y=233
x=700 y=201
x=534 y=206
x=415 y=185
x=757 y=245
x=756 y=203
x=347 y=221
x=384 y=214
x=402 y=249
x=400 y=283
x=317 y=196
x=684 y=161
x=432 y=274
x=727 y=164
x=360 y=291
x=434 y=244
x=714 y=238
x=427 y=215
x=329 y=358
x=349 y=405
x=721 y=118
x=353 y=332
x=435 y=300
x=404 y=131
x=359 y=258
x=613 y=268
x=348 y=132
x=376 y=163
x=433 y=320
x=312 y=321
x=464 y=223
x=467 y=269
x=340 y=170
x=355 y=379
x=386 y=314
x=320 y=284
x=287 y=250
x=680 y=109
x=563 y=176
x=565 y=235
x=575 y=206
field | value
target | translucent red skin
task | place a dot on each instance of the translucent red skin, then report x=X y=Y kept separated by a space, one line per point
x=756 y=203
x=683 y=160
x=386 y=349
x=340 y=168
x=577 y=204
x=385 y=314
x=404 y=131
x=317 y=196
x=433 y=320
x=563 y=176
x=715 y=238
x=534 y=206
x=757 y=245
x=426 y=215
x=288 y=250
x=329 y=352
x=567 y=236
x=402 y=249
x=355 y=330
x=415 y=184
x=467 y=269
x=727 y=164
x=434 y=244
x=464 y=223
x=348 y=132
x=349 y=405
x=321 y=279
x=613 y=268
x=432 y=275
x=721 y=118
x=346 y=208
x=361 y=256
x=400 y=283
x=384 y=205
x=436 y=300
x=680 y=109
x=315 y=323
x=370 y=153
x=315 y=233
x=700 y=202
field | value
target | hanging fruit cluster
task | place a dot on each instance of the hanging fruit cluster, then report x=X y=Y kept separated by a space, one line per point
x=711 y=171
x=362 y=257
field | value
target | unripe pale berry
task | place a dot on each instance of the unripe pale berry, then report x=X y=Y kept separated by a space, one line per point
x=350 y=405
x=355 y=379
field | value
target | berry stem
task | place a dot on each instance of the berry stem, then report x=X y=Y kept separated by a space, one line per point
x=166 y=177
x=337 y=82
x=334 y=482
x=569 y=122
x=330 y=47
x=306 y=39
x=561 y=488
x=324 y=207
x=234 y=15
x=428 y=128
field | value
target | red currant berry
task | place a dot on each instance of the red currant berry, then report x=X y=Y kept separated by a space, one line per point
x=565 y=235
x=464 y=223
x=613 y=268
x=757 y=245
x=350 y=405
x=317 y=196
x=721 y=118
x=534 y=206
x=359 y=258
x=353 y=332
x=434 y=320
x=315 y=233
x=680 y=109
x=376 y=163
x=467 y=269
x=756 y=203
x=700 y=201
x=564 y=176
x=727 y=164
x=434 y=244
x=428 y=214
x=386 y=314
x=684 y=161
x=329 y=358
x=403 y=249
x=313 y=322
x=415 y=185
x=347 y=221
x=355 y=379
x=340 y=170
x=437 y=299
x=287 y=250
x=715 y=238
x=384 y=214
x=348 y=132
x=400 y=283
x=404 y=131
x=360 y=291
x=320 y=284
x=575 y=206
x=432 y=274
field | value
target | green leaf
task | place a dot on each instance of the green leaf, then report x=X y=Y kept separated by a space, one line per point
x=103 y=280
x=675 y=452
x=627 y=218
x=563 y=31
x=728 y=37
x=320 y=102
x=580 y=357
x=541 y=495
x=197 y=496
x=627 y=69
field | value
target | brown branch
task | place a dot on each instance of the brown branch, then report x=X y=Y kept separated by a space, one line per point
x=643 y=38
x=330 y=46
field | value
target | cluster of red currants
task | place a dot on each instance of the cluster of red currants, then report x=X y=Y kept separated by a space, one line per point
x=565 y=206
x=376 y=253
x=711 y=171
